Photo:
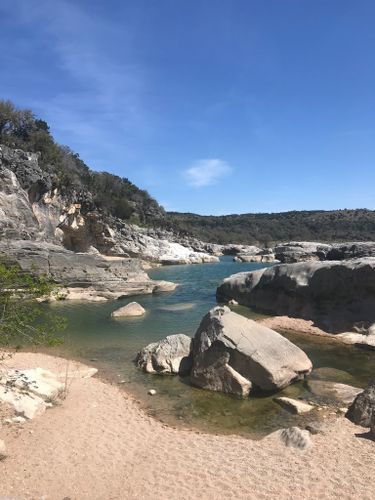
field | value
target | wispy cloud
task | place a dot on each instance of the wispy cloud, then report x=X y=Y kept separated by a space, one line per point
x=206 y=172
x=96 y=85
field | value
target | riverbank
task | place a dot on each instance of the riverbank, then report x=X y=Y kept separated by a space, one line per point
x=99 y=444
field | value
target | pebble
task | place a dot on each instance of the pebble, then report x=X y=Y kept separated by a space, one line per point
x=19 y=420
x=3 y=450
x=151 y=392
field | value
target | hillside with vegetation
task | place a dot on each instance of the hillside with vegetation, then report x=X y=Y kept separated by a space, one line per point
x=267 y=229
x=120 y=198
x=20 y=128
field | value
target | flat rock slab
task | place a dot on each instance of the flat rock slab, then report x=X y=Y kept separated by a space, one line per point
x=294 y=405
x=24 y=405
x=333 y=390
x=38 y=381
x=29 y=392
x=178 y=307
x=130 y=310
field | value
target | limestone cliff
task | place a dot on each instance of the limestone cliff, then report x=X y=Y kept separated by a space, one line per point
x=33 y=208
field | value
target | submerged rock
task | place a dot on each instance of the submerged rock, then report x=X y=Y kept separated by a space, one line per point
x=332 y=390
x=130 y=310
x=294 y=405
x=171 y=355
x=234 y=354
x=362 y=410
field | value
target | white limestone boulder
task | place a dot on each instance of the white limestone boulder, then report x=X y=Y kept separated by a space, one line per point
x=171 y=355
x=130 y=310
x=232 y=354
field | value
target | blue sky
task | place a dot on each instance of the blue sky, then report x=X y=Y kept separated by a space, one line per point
x=213 y=106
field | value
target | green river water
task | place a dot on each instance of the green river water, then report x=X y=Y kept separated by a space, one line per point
x=111 y=346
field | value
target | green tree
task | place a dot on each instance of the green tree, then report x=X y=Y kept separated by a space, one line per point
x=23 y=318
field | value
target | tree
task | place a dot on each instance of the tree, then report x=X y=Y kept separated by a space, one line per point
x=23 y=318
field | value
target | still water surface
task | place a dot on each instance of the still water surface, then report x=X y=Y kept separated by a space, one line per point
x=111 y=346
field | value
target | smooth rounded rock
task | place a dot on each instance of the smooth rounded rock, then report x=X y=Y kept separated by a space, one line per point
x=130 y=310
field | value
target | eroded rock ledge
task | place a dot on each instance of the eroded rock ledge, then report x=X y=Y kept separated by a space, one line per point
x=83 y=276
x=337 y=295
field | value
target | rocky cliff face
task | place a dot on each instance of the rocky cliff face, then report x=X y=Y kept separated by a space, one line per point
x=33 y=208
x=82 y=276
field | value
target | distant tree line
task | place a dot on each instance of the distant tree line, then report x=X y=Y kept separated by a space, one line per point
x=268 y=229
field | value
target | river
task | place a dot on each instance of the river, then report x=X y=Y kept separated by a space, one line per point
x=111 y=346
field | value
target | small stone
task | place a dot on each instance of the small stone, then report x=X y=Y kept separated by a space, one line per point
x=313 y=429
x=3 y=450
x=296 y=437
x=151 y=392
x=19 y=420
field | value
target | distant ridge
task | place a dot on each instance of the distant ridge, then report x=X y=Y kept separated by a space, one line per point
x=266 y=229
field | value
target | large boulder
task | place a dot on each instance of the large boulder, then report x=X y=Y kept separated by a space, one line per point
x=171 y=355
x=362 y=410
x=336 y=295
x=233 y=354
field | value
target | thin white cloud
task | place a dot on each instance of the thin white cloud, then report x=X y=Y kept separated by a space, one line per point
x=206 y=172
x=103 y=86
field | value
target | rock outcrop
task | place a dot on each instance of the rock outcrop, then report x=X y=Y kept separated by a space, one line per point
x=362 y=410
x=171 y=355
x=82 y=276
x=298 y=251
x=303 y=251
x=336 y=295
x=33 y=208
x=233 y=354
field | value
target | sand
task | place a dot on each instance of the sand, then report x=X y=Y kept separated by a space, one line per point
x=99 y=444
x=297 y=325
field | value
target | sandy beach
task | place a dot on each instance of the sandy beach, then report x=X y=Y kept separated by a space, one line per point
x=99 y=444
